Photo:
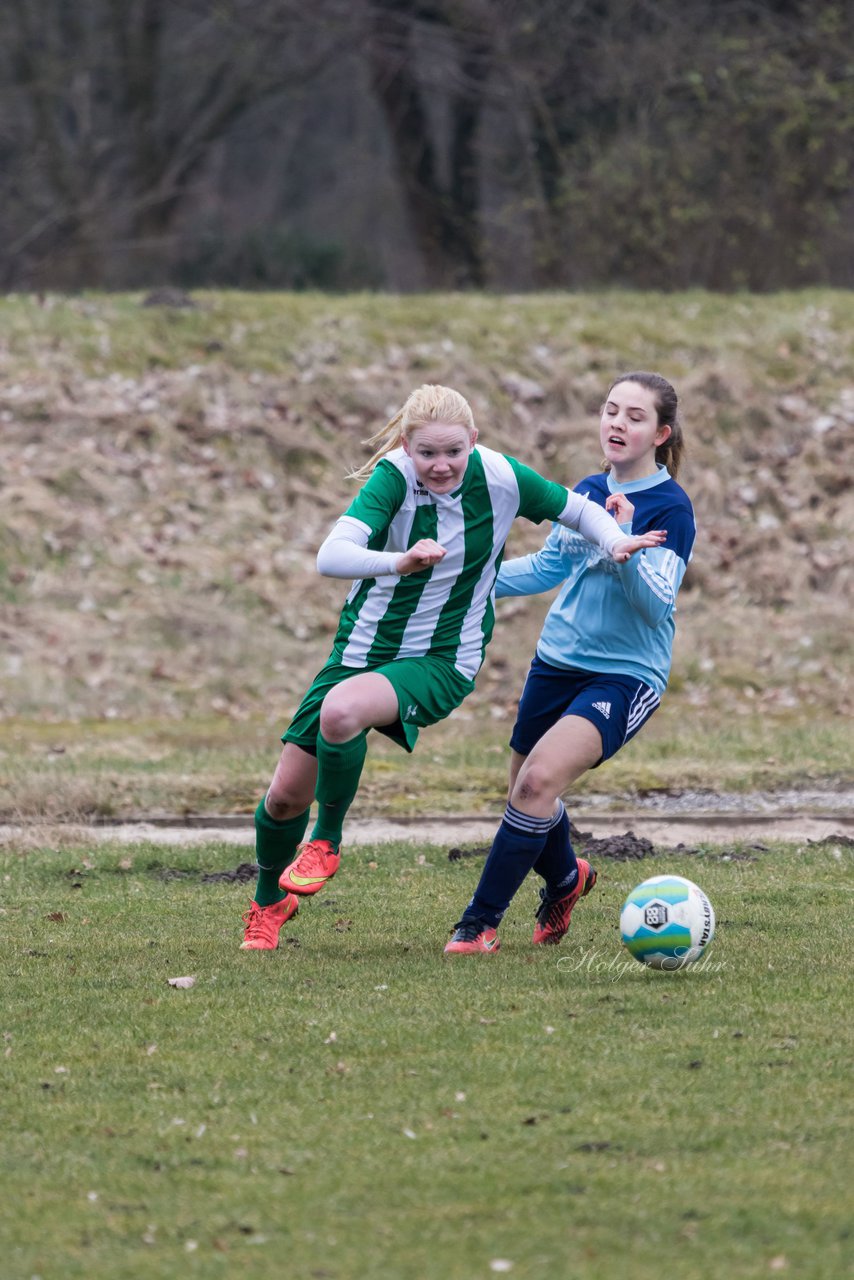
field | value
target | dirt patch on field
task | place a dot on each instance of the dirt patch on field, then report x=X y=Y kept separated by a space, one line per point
x=630 y=847
x=621 y=848
x=617 y=836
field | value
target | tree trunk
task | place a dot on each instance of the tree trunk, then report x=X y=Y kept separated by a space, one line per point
x=445 y=223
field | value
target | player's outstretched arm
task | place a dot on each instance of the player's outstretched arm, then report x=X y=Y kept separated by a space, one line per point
x=627 y=546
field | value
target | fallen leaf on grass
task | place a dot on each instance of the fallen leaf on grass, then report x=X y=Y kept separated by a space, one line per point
x=86 y=864
x=182 y=983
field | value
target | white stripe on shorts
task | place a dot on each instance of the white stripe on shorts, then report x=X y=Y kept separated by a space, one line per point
x=643 y=704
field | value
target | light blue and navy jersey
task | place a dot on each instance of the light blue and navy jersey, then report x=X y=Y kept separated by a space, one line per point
x=612 y=617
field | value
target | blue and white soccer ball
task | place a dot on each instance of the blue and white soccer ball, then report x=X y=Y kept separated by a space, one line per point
x=667 y=922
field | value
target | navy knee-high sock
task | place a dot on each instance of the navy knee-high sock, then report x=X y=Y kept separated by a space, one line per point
x=557 y=863
x=517 y=845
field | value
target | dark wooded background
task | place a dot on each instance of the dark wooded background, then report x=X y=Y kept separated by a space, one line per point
x=500 y=144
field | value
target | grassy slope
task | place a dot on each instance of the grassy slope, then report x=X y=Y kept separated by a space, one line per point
x=167 y=474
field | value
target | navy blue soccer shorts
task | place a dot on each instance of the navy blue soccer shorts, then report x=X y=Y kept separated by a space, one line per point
x=617 y=705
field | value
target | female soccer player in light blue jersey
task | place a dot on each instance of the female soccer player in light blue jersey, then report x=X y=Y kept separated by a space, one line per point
x=602 y=660
x=422 y=542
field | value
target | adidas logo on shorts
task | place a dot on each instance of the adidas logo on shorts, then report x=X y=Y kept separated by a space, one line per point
x=604 y=707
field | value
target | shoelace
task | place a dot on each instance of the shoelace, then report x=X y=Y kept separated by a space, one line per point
x=547 y=908
x=252 y=919
x=312 y=859
x=468 y=930
x=543 y=911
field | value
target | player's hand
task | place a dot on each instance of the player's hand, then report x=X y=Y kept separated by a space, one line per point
x=626 y=547
x=620 y=508
x=421 y=555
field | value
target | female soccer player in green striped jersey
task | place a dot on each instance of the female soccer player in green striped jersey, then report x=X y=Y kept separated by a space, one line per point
x=422 y=542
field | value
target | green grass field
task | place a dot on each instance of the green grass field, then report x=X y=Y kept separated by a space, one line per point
x=358 y=1105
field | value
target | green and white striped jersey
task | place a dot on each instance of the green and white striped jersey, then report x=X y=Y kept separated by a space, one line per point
x=447 y=610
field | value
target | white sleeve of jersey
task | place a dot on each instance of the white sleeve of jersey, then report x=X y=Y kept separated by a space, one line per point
x=345 y=553
x=592 y=522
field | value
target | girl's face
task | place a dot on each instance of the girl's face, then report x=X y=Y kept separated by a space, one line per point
x=440 y=452
x=629 y=431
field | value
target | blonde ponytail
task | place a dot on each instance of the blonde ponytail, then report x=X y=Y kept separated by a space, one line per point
x=383 y=441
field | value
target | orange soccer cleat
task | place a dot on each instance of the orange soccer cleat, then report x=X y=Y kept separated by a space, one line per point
x=315 y=863
x=263 y=923
x=471 y=936
x=553 y=915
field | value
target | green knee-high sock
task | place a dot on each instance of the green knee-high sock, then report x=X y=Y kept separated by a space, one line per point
x=339 y=768
x=275 y=845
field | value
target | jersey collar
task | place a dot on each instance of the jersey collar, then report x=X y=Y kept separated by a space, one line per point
x=635 y=486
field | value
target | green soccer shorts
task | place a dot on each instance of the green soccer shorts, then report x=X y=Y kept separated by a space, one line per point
x=428 y=689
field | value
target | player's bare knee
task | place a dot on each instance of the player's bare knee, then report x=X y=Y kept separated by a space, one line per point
x=338 y=720
x=284 y=805
x=289 y=794
x=278 y=811
x=534 y=785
